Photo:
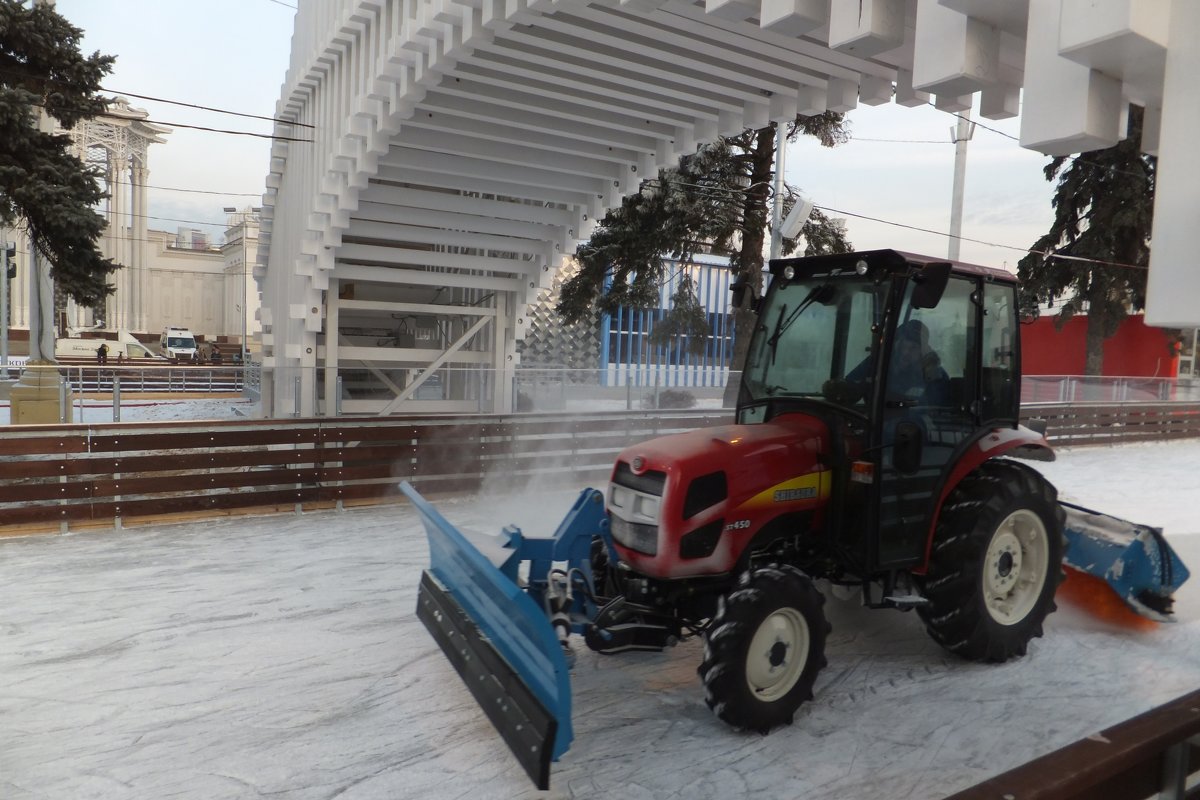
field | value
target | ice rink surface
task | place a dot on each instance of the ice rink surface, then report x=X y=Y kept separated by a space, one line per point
x=281 y=657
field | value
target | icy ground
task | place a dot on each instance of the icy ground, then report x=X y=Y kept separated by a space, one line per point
x=280 y=657
x=95 y=411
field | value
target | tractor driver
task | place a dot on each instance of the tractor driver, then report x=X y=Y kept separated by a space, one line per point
x=914 y=374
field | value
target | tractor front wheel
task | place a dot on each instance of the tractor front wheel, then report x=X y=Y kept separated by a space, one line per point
x=996 y=563
x=764 y=648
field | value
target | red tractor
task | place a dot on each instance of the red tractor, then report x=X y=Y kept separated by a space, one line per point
x=876 y=426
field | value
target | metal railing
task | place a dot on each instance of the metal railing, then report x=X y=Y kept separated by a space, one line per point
x=97 y=379
x=1097 y=389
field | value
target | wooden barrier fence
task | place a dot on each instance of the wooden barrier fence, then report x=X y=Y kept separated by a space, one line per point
x=1153 y=756
x=62 y=476
x=1116 y=423
x=54 y=477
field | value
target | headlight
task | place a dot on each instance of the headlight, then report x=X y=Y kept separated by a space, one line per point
x=619 y=497
x=646 y=507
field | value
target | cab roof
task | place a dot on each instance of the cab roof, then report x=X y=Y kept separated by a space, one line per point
x=892 y=260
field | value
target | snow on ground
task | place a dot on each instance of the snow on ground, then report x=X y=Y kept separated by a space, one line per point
x=281 y=656
x=156 y=410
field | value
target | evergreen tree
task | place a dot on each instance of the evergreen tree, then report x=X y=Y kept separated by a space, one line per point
x=1103 y=206
x=716 y=201
x=42 y=185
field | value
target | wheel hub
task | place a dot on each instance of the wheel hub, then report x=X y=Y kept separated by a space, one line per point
x=1015 y=567
x=777 y=654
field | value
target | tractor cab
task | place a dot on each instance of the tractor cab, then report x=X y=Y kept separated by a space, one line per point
x=908 y=361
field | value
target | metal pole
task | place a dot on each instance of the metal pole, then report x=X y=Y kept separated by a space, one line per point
x=777 y=200
x=337 y=400
x=116 y=398
x=4 y=311
x=960 y=135
x=296 y=393
x=245 y=294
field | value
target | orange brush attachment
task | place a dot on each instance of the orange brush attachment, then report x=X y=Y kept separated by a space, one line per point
x=1097 y=598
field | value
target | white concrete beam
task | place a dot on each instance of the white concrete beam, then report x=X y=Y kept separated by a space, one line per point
x=1174 y=282
x=794 y=17
x=1069 y=108
x=954 y=54
x=866 y=28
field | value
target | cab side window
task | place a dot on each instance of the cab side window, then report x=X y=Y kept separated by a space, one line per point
x=951 y=328
x=999 y=363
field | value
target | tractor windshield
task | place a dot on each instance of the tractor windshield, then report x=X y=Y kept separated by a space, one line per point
x=811 y=331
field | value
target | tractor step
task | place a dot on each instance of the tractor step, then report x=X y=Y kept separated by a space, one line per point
x=905 y=602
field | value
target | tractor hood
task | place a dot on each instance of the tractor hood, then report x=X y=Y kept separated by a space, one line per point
x=750 y=448
x=689 y=504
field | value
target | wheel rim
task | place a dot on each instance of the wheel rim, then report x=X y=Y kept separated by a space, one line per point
x=1014 y=571
x=777 y=654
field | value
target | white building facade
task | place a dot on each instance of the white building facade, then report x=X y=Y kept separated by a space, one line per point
x=166 y=278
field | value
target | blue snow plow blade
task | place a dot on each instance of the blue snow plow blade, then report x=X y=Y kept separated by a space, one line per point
x=498 y=633
x=1135 y=560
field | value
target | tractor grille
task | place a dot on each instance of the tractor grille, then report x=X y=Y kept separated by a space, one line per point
x=635 y=536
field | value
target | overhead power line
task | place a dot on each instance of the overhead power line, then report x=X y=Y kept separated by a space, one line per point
x=1078 y=159
x=212 y=130
x=206 y=108
x=50 y=82
x=1043 y=253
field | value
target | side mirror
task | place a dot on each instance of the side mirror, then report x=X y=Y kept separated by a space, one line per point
x=906 y=450
x=930 y=284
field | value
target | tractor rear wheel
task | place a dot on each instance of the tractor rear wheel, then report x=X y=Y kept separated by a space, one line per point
x=996 y=563
x=764 y=648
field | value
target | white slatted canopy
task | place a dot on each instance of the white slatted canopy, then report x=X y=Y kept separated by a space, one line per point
x=459 y=151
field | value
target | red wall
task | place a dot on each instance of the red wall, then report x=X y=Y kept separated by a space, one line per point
x=1136 y=350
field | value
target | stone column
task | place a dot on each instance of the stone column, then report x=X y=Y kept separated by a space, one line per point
x=137 y=243
x=118 y=167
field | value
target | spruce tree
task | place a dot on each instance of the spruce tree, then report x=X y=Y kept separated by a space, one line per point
x=43 y=187
x=1103 y=207
x=716 y=201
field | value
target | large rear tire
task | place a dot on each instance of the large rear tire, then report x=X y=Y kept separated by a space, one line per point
x=764 y=648
x=996 y=563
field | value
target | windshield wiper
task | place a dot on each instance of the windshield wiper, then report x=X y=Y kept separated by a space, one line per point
x=821 y=293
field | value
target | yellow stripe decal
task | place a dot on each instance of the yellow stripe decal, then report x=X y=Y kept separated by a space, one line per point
x=808 y=487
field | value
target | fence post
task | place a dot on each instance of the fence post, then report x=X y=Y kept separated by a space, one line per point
x=62 y=400
x=296 y=396
x=337 y=403
x=116 y=393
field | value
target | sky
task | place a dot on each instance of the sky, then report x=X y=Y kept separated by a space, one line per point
x=280 y=656
x=233 y=54
x=225 y=54
x=910 y=181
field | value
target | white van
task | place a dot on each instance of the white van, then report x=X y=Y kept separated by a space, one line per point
x=126 y=347
x=178 y=344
